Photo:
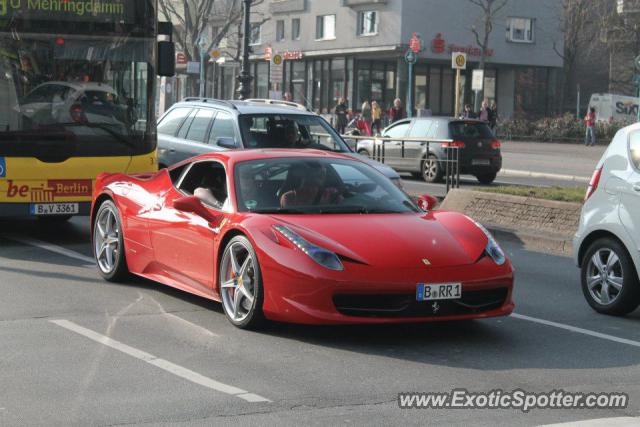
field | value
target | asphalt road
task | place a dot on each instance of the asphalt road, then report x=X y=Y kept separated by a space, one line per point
x=80 y=351
x=537 y=164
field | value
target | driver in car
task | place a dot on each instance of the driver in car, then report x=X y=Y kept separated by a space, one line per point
x=212 y=189
x=309 y=187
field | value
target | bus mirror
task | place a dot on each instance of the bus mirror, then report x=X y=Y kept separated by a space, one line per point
x=166 y=59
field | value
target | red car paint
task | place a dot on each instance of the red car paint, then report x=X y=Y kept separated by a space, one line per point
x=383 y=254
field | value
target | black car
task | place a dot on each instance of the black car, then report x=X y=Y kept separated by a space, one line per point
x=479 y=148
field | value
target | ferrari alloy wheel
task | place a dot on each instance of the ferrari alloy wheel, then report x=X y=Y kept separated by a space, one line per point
x=431 y=170
x=108 y=246
x=609 y=280
x=241 y=284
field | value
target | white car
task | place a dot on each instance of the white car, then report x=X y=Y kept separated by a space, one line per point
x=607 y=243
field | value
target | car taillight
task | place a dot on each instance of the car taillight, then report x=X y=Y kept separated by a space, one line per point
x=593 y=184
x=77 y=113
x=454 y=144
x=495 y=144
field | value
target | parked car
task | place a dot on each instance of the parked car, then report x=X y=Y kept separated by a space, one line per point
x=201 y=125
x=298 y=236
x=607 y=243
x=479 y=148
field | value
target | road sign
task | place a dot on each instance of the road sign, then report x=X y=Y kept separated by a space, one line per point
x=215 y=54
x=276 y=68
x=477 y=80
x=415 y=43
x=411 y=57
x=459 y=61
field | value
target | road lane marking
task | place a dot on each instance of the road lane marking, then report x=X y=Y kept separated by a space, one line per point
x=51 y=248
x=577 y=330
x=163 y=364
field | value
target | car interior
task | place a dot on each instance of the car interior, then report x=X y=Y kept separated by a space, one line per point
x=208 y=182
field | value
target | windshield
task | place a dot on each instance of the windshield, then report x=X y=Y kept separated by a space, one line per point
x=313 y=186
x=289 y=131
x=76 y=84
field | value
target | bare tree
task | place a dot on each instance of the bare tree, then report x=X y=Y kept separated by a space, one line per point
x=490 y=10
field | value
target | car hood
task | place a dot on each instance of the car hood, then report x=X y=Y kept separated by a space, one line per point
x=394 y=240
x=386 y=170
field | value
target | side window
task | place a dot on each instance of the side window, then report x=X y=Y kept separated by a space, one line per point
x=398 y=131
x=436 y=131
x=208 y=182
x=200 y=124
x=420 y=129
x=634 y=149
x=223 y=127
x=172 y=121
x=182 y=133
x=175 y=173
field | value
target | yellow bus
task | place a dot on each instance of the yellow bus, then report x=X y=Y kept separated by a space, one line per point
x=76 y=98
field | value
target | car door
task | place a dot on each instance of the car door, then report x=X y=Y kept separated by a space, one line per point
x=630 y=197
x=168 y=128
x=393 y=148
x=192 y=137
x=223 y=128
x=413 y=150
x=183 y=242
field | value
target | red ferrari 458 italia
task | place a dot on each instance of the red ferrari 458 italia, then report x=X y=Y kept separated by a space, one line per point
x=298 y=236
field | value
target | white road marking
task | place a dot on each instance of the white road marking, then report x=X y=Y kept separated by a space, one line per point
x=600 y=422
x=577 y=330
x=51 y=248
x=163 y=364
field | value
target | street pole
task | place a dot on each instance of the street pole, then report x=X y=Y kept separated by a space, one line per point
x=457 y=107
x=245 y=78
x=410 y=91
x=202 y=45
x=578 y=103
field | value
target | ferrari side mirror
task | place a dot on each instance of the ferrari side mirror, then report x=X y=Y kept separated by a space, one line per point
x=193 y=205
x=427 y=202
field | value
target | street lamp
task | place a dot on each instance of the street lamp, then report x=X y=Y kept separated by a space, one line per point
x=245 y=78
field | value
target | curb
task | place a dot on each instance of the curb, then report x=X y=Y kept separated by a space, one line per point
x=538 y=242
x=531 y=174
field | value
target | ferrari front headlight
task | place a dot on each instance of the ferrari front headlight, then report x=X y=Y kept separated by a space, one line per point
x=493 y=249
x=322 y=256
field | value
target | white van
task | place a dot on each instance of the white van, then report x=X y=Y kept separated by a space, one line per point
x=610 y=107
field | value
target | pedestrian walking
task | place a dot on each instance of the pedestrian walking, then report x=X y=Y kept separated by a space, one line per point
x=376 y=115
x=396 y=112
x=493 y=116
x=341 y=111
x=590 y=122
x=367 y=117
x=468 y=113
x=484 y=113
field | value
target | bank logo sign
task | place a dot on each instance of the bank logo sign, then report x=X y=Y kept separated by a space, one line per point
x=3 y=165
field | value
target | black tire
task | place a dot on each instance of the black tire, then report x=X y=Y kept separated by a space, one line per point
x=487 y=178
x=432 y=169
x=255 y=316
x=364 y=152
x=627 y=298
x=119 y=271
x=54 y=219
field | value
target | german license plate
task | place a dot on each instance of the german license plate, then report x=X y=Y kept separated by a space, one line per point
x=438 y=291
x=54 y=208
x=480 y=162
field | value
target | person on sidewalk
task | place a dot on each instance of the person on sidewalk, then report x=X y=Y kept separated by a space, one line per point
x=468 y=112
x=493 y=116
x=484 y=113
x=396 y=112
x=590 y=122
x=376 y=115
x=366 y=117
x=341 y=111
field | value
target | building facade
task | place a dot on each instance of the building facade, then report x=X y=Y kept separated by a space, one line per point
x=356 y=49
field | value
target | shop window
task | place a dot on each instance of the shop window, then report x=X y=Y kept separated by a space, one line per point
x=337 y=81
x=520 y=30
